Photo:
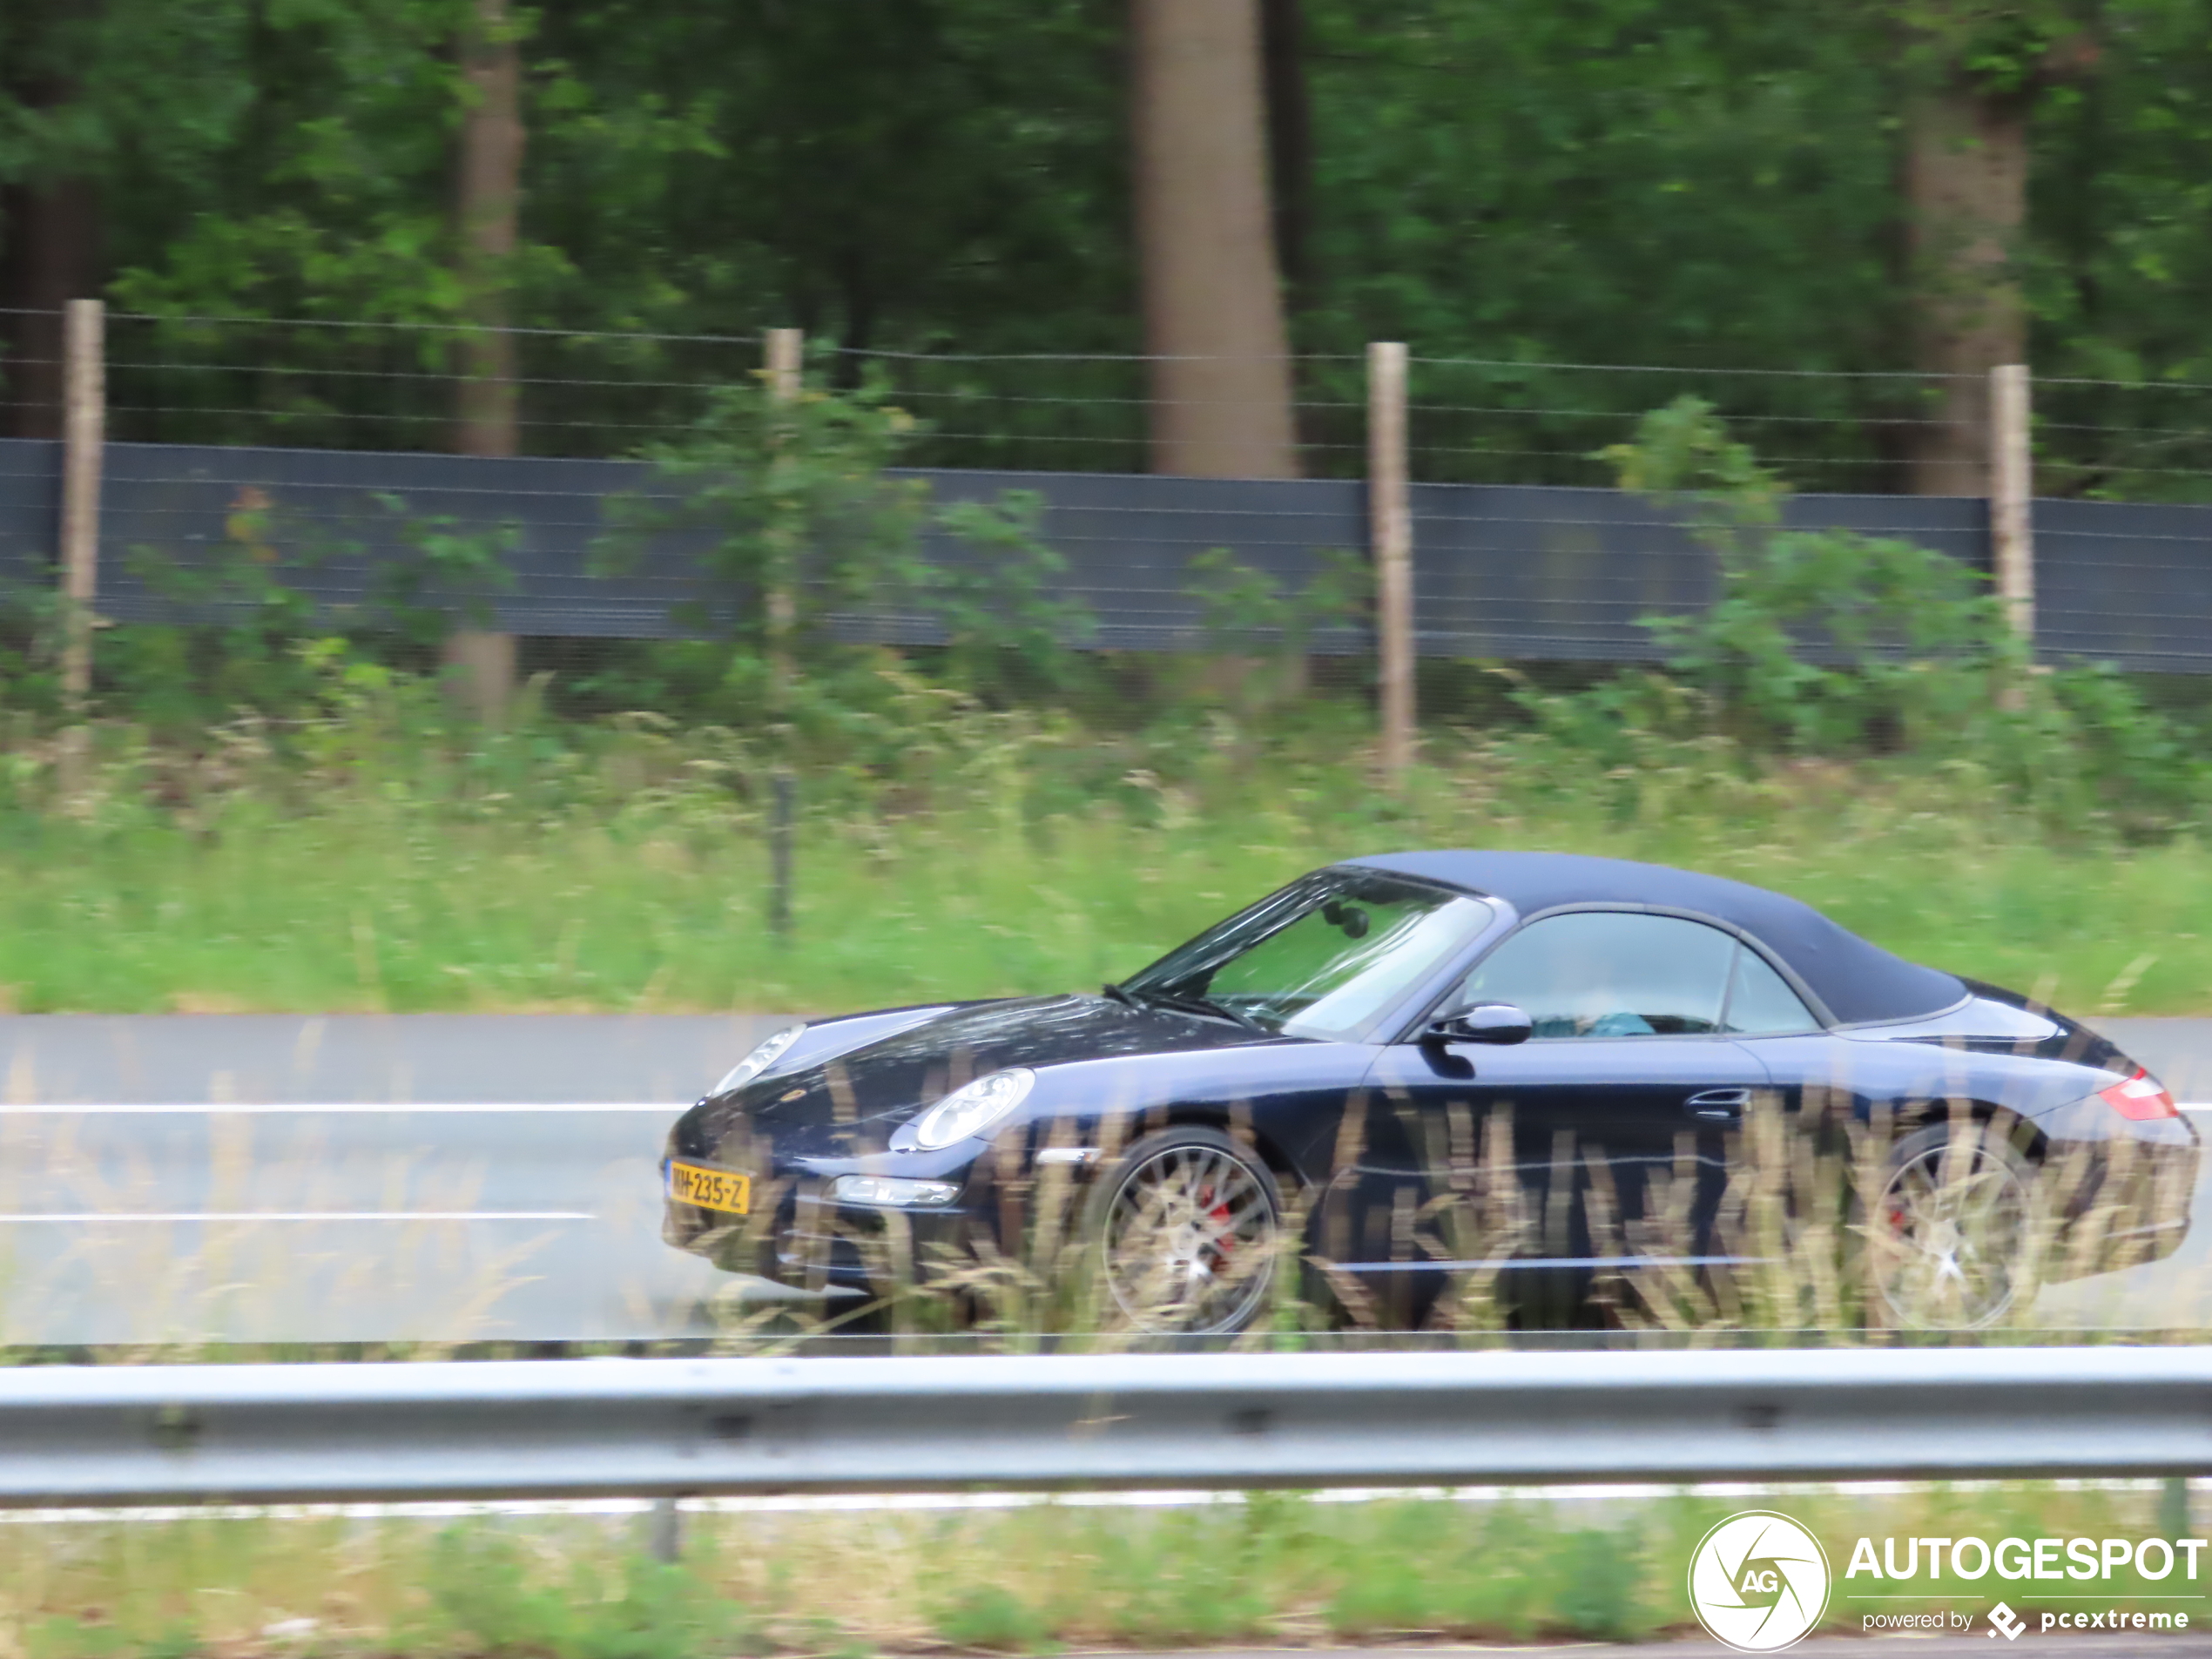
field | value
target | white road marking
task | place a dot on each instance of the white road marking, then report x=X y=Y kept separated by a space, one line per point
x=57 y=1108
x=90 y=1216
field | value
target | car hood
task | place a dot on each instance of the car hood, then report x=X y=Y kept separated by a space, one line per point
x=893 y=1078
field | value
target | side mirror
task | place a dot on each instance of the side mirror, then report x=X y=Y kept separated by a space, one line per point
x=1500 y=1023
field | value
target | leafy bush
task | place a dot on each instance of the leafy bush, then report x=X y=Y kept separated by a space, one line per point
x=810 y=546
x=1819 y=641
x=483 y=1597
x=994 y=1619
x=1833 y=644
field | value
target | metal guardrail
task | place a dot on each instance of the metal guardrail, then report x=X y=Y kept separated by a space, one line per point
x=662 y=1428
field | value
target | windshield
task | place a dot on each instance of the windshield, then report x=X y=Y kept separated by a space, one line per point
x=1323 y=957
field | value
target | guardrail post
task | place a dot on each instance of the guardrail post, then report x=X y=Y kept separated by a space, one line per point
x=2173 y=1507
x=83 y=440
x=2012 y=536
x=1390 y=538
x=665 y=1531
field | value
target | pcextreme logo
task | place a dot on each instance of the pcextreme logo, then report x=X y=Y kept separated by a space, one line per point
x=1758 y=1582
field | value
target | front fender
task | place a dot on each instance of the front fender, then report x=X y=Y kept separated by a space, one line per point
x=826 y=1039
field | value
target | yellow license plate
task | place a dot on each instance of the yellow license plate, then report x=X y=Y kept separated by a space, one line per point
x=711 y=1188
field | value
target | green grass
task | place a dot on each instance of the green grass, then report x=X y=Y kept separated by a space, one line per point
x=1266 y=1569
x=627 y=870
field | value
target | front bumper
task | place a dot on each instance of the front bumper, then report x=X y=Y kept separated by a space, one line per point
x=799 y=1240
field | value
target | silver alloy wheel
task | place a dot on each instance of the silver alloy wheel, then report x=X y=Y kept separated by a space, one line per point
x=1951 y=1231
x=1191 y=1233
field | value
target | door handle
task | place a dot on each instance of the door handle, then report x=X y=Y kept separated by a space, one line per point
x=1719 y=1105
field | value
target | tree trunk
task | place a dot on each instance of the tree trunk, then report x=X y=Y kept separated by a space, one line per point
x=1965 y=184
x=49 y=254
x=1213 y=303
x=488 y=190
x=487 y=197
x=1290 y=141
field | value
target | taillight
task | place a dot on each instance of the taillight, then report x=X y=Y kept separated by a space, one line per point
x=2142 y=1097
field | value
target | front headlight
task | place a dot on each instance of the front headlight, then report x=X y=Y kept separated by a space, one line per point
x=892 y=1192
x=972 y=1109
x=760 y=1059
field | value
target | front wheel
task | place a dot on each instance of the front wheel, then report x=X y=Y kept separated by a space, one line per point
x=1189 y=1225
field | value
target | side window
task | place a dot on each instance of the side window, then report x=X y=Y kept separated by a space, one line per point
x=1760 y=1004
x=1611 y=973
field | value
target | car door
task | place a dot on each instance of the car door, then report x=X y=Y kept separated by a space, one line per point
x=1615 y=1115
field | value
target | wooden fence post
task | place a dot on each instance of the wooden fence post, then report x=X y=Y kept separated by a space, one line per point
x=2012 y=533
x=1390 y=538
x=83 y=437
x=787 y=354
x=786 y=348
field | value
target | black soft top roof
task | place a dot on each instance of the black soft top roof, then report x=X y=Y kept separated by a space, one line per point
x=1858 y=981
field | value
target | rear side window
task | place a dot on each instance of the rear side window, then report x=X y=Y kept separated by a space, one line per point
x=1760 y=1004
x=1624 y=974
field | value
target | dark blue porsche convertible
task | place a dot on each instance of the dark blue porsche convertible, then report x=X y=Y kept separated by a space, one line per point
x=1399 y=1077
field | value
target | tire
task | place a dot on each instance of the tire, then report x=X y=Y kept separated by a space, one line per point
x=1948 y=1240
x=1189 y=1229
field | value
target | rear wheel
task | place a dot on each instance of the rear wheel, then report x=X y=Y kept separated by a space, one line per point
x=1950 y=1231
x=1189 y=1224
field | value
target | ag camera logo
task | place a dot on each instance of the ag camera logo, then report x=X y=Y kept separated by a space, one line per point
x=1758 y=1582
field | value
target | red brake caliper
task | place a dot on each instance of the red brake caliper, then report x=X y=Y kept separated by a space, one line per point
x=1222 y=1243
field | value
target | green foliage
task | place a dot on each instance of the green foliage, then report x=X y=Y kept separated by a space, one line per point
x=1007 y=633
x=450 y=569
x=810 y=540
x=247 y=639
x=1185 y=1579
x=1242 y=606
x=239 y=648
x=1828 y=644
x=1520 y=183
x=61 y=1637
x=1599 y=1577
x=988 y=1617
x=1819 y=641
x=1424 y=1565
x=373 y=856
x=798 y=512
x=484 y=1597
x=1250 y=617
x=67 y=1638
x=1522 y=1570
x=30 y=642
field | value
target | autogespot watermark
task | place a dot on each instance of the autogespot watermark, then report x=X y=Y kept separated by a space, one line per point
x=1760 y=1582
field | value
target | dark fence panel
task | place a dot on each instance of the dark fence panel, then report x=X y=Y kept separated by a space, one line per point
x=1508 y=571
x=1561 y=575
x=2125 y=583
x=30 y=507
x=341 y=526
x=1128 y=540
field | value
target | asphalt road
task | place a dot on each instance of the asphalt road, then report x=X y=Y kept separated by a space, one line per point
x=441 y=1178
x=451 y=1178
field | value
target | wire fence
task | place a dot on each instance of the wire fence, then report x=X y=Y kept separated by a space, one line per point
x=326 y=450
x=353 y=385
